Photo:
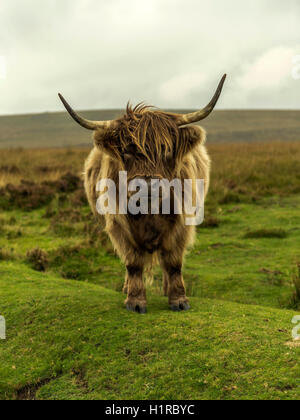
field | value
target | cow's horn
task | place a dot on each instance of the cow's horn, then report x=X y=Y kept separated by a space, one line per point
x=90 y=125
x=193 y=117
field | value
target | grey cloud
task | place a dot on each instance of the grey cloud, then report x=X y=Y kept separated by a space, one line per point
x=102 y=53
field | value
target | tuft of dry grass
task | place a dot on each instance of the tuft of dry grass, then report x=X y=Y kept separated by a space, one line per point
x=5 y=255
x=29 y=195
x=249 y=171
x=210 y=222
x=39 y=165
x=38 y=259
x=241 y=172
x=295 y=299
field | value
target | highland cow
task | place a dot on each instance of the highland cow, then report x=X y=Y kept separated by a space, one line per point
x=149 y=144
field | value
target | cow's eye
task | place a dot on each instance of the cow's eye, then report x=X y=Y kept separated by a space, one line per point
x=169 y=156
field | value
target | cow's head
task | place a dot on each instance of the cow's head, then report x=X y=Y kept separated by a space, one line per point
x=146 y=142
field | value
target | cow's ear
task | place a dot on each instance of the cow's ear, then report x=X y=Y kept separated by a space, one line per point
x=107 y=142
x=190 y=137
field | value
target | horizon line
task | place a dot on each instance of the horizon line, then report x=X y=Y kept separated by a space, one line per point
x=166 y=109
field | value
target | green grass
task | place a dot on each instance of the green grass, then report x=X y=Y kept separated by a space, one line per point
x=224 y=264
x=74 y=340
x=69 y=336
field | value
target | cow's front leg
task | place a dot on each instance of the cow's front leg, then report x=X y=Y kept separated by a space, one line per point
x=136 y=291
x=165 y=283
x=176 y=290
x=134 y=260
x=125 y=287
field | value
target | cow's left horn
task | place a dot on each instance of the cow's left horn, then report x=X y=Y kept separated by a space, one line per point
x=193 y=117
x=90 y=125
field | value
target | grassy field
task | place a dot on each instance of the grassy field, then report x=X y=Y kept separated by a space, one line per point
x=58 y=129
x=68 y=334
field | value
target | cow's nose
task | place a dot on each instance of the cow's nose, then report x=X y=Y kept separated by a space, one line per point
x=152 y=179
x=144 y=184
x=141 y=179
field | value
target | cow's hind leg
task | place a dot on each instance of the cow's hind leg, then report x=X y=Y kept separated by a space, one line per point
x=136 y=291
x=165 y=277
x=176 y=291
x=165 y=283
x=125 y=287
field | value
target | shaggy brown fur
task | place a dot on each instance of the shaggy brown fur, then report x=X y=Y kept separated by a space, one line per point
x=148 y=143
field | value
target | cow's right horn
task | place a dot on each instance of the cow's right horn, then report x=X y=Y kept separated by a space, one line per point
x=183 y=119
x=90 y=125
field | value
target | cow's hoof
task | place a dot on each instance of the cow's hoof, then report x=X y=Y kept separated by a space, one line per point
x=139 y=308
x=181 y=306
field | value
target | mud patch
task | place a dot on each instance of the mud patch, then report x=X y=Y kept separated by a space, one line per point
x=28 y=392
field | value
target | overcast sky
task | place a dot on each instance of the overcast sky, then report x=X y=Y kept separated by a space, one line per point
x=169 y=53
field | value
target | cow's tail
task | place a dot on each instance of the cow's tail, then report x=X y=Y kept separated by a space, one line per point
x=148 y=272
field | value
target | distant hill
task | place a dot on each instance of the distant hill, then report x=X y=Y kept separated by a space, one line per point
x=58 y=130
